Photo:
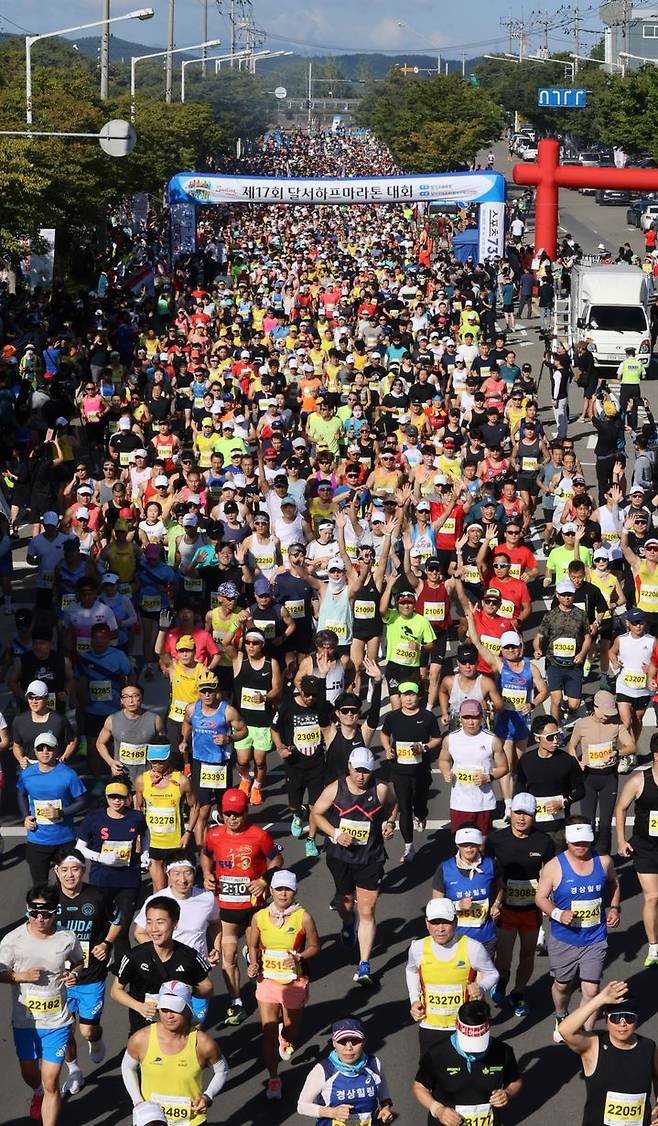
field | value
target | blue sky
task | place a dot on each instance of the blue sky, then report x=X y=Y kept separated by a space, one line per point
x=343 y=24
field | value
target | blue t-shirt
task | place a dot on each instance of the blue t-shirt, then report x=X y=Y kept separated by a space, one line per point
x=62 y=787
x=105 y=673
x=96 y=829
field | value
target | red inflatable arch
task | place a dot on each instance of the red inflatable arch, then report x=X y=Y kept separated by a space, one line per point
x=548 y=175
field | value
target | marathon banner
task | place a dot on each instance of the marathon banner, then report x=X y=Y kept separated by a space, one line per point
x=467 y=187
x=491 y=231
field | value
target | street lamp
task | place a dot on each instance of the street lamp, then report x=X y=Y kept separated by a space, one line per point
x=30 y=40
x=599 y=62
x=158 y=55
x=247 y=53
x=640 y=58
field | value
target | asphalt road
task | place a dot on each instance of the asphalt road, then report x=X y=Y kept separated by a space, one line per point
x=553 y=1090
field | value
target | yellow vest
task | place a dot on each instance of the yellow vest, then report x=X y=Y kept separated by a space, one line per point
x=606 y=584
x=172 y=1081
x=205 y=447
x=631 y=370
x=162 y=806
x=647 y=589
x=184 y=688
x=279 y=941
x=443 y=984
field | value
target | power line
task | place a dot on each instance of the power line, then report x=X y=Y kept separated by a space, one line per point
x=5 y=19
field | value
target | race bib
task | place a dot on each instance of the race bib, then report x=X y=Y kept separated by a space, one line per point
x=564 y=648
x=443 y=1000
x=306 y=739
x=542 y=814
x=52 y=701
x=475 y=915
x=132 y=754
x=177 y=1108
x=586 y=912
x=124 y=458
x=264 y=562
x=295 y=608
x=357 y=1119
x=406 y=653
x=193 y=583
x=600 y=755
x=161 y=819
x=622 y=1108
x=152 y=604
x=100 y=691
x=476 y=1114
x=490 y=643
x=648 y=594
x=409 y=754
x=121 y=849
x=653 y=823
x=83 y=644
x=634 y=680
x=67 y=600
x=520 y=893
x=43 y=1004
x=471 y=576
x=213 y=775
x=339 y=628
x=434 y=611
x=358 y=830
x=274 y=969
x=85 y=947
x=252 y=700
x=177 y=710
x=528 y=464
x=515 y=570
x=448 y=529
x=364 y=610
x=40 y=808
x=507 y=609
x=235 y=889
x=47 y=578
x=465 y=774
x=516 y=697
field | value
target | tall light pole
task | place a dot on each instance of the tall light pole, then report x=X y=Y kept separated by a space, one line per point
x=169 y=73
x=158 y=55
x=30 y=40
x=105 y=51
x=204 y=36
x=245 y=54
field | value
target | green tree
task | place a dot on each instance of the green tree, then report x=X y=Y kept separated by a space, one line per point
x=431 y=125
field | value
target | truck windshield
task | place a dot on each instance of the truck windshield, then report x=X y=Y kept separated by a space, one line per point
x=618 y=318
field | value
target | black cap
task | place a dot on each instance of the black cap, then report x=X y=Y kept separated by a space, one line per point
x=467 y=652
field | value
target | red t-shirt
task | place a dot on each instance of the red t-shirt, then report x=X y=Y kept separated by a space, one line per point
x=521 y=558
x=204 y=645
x=515 y=597
x=451 y=531
x=490 y=630
x=239 y=858
x=433 y=603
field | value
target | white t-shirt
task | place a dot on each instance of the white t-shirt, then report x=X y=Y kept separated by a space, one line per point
x=195 y=915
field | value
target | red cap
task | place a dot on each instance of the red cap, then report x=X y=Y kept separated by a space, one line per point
x=235 y=801
x=449 y=444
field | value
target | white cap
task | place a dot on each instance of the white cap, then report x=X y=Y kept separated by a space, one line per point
x=124 y=423
x=146 y=1113
x=468 y=836
x=61 y=421
x=441 y=479
x=579 y=834
x=109 y=577
x=524 y=803
x=283 y=878
x=510 y=637
x=82 y=513
x=244 y=354
x=600 y=553
x=569 y=526
x=440 y=909
x=403 y=419
x=423 y=506
x=50 y=519
x=141 y=452
x=45 y=739
x=85 y=489
x=217 y=408
x=164 y=356
x=335 y=564
x=636 y=489
x=37 y=688
x=361 y=758
x=565 y=587
x=161 y=480
x=378 y=518
x=292 y=363
x=175 y=995
x=349 y=359
x=189 y=520
x=299 y=443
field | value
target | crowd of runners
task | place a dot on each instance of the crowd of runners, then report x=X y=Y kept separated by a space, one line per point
x=304 y=492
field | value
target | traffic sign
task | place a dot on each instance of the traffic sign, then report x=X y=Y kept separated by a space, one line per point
x=117 y=137
x=280 y=93
x=555 y=97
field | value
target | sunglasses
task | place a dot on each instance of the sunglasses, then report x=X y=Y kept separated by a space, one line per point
x=348 y=711
x=551 y=738
x=467 y=661
x=43 y=912
x=627 y=1018
x=499 y=566
x=206 y=689
x=354 y=1041
x=491 y=601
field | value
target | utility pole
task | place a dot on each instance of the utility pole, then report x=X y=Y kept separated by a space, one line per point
x=521 y=27
x=169 y=71
x=509 y=24
x=204 y=39
x=105 y=50
x=438 y=64
x=310 y=97
x=576 y=39
x=463 y=64
x=231 y=20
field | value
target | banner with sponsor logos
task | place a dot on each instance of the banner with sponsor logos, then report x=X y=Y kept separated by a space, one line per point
x=484 y=188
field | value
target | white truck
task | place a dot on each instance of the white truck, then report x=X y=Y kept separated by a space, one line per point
x=609 y=307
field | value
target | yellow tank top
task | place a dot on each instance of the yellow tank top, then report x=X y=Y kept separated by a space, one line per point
x=184 y=688
x=606 y=584
x=162 y=811
x=222 y=630
x=205 y=447
x=443 y=984
x=172 y=1081
x=647 y=589
x=276 y=942
x=122 y=561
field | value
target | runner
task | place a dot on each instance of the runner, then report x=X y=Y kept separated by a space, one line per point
x=130 y=731
x=641 y=790
x=257 y=688
x=327 y=1085
x=602 y=746
x=470 y=760
x=159 y=794
x=409 y=736
x=49 y=795
x=210 y=726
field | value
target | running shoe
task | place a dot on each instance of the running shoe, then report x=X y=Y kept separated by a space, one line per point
x=296 y=826
x=235 y=1015
x=519 y=1004
x=311 y=848
x=652 y=955
x=362 y=975
x=35 y=1106
x=245 y=785
x=286 y=1049
x=256 y=795
x=274 y=1088
x=408 y=855
x=557 y=1037
x=419 y=825
x=97 y=1051
x=73 y=1085
x=498 y=995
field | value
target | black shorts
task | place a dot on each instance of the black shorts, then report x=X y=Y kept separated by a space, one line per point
x=437 y=654
x=347 y=877
x=645 y=856
x=528 y=485
x=240 y=918
x=205 y=794
x=224 y=674
x=162 y=853
x=637 y=702
x=301 y=780
x=397 y=674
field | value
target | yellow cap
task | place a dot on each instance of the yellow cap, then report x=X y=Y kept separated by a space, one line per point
x=185 y=642
x=117 y=788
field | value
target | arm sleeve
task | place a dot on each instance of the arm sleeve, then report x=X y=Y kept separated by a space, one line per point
x=480 y=961
x=76 y=806
x=310 y=1092
x=129 y=1070
x=412 y=973
x=372 y=718
x=383 y=1092
x=219 y=1077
